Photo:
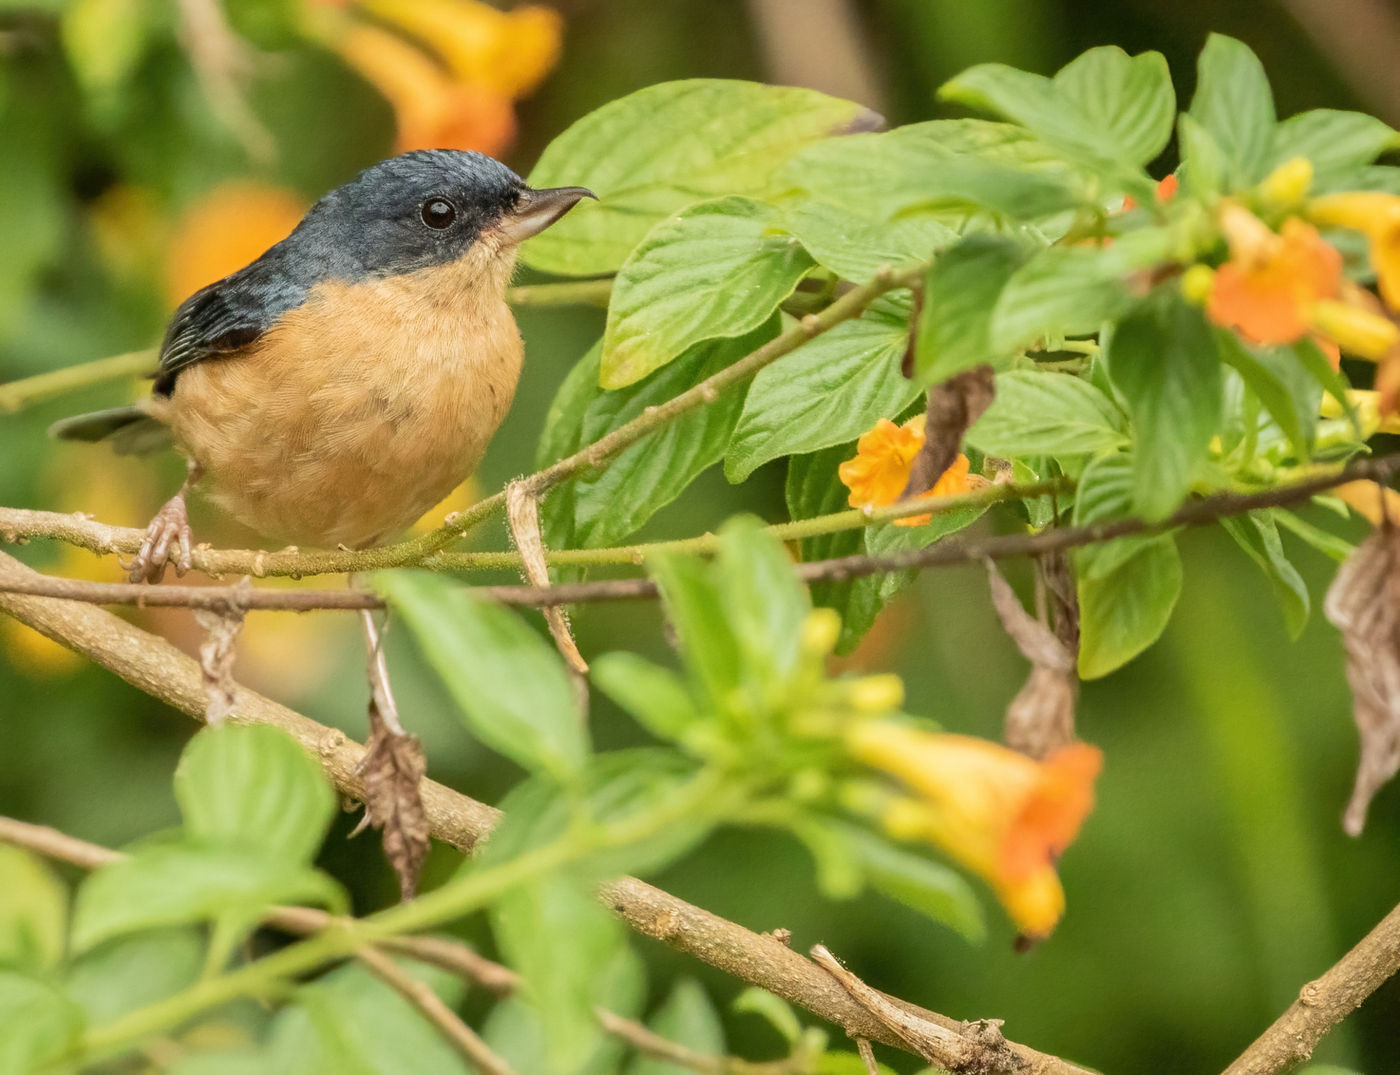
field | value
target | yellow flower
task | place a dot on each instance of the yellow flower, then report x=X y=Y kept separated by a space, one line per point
x=880 y=470
x=1376 y=215
x=1000 y=813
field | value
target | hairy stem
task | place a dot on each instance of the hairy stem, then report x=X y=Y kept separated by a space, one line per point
x=16 y=395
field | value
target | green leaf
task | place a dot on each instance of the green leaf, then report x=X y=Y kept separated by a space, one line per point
x=668 y=146
x=1335 y=142
x=348 y=1021
x=1203 y=162
x=813 y=489
x=1046 y=413
x=564 y=424
x=947 y=166
x=182 y=883
x=510 y=686
x=687 y=1017
x=1127 y=587
x=1283 y=384
x=655 y=696
x=718 y=269
x=33 y=912
x=613 y=504
x=936 y=891
x=555 y=934
x=1163 y=360
x=1128 y=98
x=1234 y=104
x=1257 y=534
x=772 y=1009
x=855 y=248
x=1065 y=291
x=695 y=609
x=1328 y=544
x=127 y=973
x=762 y=596
x=38 y=1024
x=253 y=786
x=960 y=294
x=827 y=392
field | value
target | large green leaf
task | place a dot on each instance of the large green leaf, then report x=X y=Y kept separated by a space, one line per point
x=668 y=146
x=855 y=247
x=131 y=972
x=253 y=786
x=1067 y=291
x=827 y=392
x=349 y=1021
x=1337 y=143
x=182 y=883
x=717 y=269
x=510 y=685
x=38 y=1024
x=960 y=295
x=762 y=596
x=941 y=166
x=1038 y=413
x=813 y=489
x=1234 y=105
x=33 y=912
x=1129 y=98
x=656 y=696
x=1163 y=360
x=612 y=504
x=1283 y=384
x=695 y=609
x=1127 y=587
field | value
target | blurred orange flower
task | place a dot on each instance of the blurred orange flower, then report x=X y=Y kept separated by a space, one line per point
x=880 y=470
x=1166 y=191
x=1000 y=813
x=453 y=86
x=224 y=231
x=1268 y=288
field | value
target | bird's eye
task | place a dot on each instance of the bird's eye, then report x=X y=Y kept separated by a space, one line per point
x=439 y=213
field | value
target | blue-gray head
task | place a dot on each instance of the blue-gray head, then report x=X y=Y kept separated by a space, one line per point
x=422 y=209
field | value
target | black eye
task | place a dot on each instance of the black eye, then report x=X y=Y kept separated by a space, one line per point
x=439 y=213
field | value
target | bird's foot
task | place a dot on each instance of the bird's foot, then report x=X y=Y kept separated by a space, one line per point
x=171 y=526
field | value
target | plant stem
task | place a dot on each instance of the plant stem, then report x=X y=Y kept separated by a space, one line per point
x=564 y=293
x=16 y=395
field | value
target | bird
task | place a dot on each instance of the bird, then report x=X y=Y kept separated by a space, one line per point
x=344 y=382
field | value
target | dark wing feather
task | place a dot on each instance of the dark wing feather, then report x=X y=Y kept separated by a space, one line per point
x=211 y=322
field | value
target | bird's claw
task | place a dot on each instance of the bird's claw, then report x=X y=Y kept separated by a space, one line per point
x=171 y=525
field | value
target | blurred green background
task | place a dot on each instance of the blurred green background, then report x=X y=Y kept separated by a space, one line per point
x=1213 y=879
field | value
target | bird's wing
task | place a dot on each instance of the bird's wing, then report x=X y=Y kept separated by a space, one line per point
x=211 y=322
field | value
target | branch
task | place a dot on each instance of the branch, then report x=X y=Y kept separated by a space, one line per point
x=1325 y=1002
x=16 y=395
x=943 y=554
x=650 y=1043
x=155 y=666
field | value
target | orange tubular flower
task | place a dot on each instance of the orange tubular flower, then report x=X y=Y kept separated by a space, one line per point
x=880 y=471
x=1376 y=215
x=1001 y=814
x=1272 y=282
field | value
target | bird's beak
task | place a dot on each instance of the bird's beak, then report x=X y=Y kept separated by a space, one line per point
x=538 y=209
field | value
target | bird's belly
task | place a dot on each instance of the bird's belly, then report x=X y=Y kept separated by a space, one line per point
x=343 y=452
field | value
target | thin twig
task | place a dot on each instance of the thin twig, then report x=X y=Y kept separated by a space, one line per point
x=82 y=531
x=451 y=956
x=1325 y=1002
x=650 y=1043
x=155 y=666
x=943 y=554
x=432 y=1008
x=16 y=395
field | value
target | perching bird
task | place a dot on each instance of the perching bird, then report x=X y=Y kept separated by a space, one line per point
x=339 y=386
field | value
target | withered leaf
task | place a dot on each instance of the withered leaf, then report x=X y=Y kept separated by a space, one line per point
x=1040 y=719
x=953 y=405
x=392 y=771
x=216 y=656
x=1363 y=603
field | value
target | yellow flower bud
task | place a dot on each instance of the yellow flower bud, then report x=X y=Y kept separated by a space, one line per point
x=1358 y=332
x=877 y=694
x=1288 y=184
x=1197 y=282
x=820 y=630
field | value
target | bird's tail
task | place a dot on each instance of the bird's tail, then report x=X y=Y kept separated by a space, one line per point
x=130 y=429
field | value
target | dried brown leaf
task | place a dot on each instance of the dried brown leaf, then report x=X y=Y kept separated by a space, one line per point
x=523 y=512
x=1363 y=603
x=392 y=770
x=217 y=653
x=1040 y=719
x=953 y=405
